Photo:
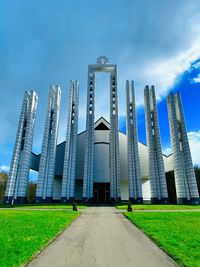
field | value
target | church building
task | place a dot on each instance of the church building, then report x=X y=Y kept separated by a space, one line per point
x=102 y=164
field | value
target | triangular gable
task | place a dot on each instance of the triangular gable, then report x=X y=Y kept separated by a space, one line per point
x=102 y=124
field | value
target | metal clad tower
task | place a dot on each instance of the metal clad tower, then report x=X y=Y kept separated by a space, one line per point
x=135 y=184
x=155 y=161
x=186 y=185
x=102 y=66
x=89 y=141
x=17 y=185
x=68 y=182
x=44 y=192
x=114 y=137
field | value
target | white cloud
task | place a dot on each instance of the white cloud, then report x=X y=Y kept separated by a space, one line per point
x=164 y=73
x=4 y=168
x=194 y=140
x=196 y=79
x=196 y=65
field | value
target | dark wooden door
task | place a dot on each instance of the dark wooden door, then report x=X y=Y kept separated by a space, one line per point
x=101 y=192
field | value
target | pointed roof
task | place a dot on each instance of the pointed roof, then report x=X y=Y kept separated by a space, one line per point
x=102 y=124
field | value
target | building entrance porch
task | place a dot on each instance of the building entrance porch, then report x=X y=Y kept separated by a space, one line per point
x=101 y=192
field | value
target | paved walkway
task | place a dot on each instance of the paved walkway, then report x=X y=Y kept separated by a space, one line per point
x=102 y=237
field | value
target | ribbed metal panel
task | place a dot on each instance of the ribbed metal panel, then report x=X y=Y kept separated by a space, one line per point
x=186 y=185
x=115 y=192
x=17 y=184
x=155 y=158
x=89 y=139
x=135 y=187
x=48 y=154
x=68 y=183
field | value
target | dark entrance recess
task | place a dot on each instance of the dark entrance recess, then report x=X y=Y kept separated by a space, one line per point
x=101 y=192
x=171 y=188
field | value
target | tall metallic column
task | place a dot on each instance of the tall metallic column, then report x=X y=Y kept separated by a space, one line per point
x=89 y=138
x=156 y=165
x=115 y=192
x=135 y=184
x=44 y=192
x=17 y=185
x=102 y=66
x=68 y=182
x=186 y=185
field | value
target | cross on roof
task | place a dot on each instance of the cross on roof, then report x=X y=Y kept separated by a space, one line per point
x=102 y=60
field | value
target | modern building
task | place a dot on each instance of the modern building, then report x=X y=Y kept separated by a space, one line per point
x=102 y=164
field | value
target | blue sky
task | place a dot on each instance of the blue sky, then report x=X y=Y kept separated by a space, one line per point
x=47 y=42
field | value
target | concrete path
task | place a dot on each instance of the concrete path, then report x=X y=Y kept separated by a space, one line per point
x=102 y=237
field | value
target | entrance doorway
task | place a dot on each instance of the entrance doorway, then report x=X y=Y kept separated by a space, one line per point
x=171 y=188
x=102 y=192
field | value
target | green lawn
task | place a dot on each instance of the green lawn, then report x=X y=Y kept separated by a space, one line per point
x=45 y=206
x=159 y=207
x=178 y=233
x=24 y=232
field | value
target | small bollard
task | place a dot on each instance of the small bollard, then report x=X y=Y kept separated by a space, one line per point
x=74 y=206
x=129 y=208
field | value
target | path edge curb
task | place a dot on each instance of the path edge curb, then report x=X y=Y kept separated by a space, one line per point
x=49 y=242
x=153 y=240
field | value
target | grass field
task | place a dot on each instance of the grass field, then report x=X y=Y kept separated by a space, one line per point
x=45 y=206
x=24 y=232
x=159 y=207
x=178 y=233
